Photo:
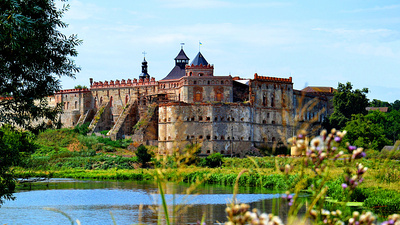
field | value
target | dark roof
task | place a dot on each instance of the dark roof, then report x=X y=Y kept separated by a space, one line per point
x=199 y=60
x=319 y=89
x=382 y=109
x=176 y=73
x=181 y=55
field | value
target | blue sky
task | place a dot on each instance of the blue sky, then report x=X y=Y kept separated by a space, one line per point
x=318 y=43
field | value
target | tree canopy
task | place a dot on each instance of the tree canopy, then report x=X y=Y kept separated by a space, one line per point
x=367 y=131
x=347 y=102
x=34 y=54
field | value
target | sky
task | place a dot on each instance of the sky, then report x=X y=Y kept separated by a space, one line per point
x=317 y=43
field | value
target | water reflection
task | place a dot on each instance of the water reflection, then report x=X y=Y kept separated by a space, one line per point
x=92 y=201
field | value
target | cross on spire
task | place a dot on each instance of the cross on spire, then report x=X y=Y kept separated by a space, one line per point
x=182 y=44
x=144 y=54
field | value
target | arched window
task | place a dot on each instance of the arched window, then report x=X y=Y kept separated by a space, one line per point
x=126 y=99
x=111 y=101
x=76 y=105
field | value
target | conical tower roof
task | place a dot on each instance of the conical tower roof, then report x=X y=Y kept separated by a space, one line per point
x=179 y=70
x=199 y=60
x=182 y=56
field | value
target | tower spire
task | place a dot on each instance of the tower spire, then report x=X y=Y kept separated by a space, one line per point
x=144 y=73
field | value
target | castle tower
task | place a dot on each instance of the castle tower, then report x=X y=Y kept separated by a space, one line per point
x=144 y=73
x=181 y=60
x=199 y=67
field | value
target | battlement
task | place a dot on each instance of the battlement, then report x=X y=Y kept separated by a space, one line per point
x=274 y=79
x=67 y=91
x=124 y=83
x=199 y=66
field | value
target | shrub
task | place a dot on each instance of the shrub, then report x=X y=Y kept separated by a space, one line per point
x=142 y=155
x=82 y=129
x=212 y=161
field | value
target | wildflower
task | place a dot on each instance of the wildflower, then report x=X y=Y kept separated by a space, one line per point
x=351 y=148
x=344 y=186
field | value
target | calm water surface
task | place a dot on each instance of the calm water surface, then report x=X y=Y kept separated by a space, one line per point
x=97 y=202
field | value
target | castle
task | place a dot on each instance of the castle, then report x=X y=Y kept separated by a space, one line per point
x=190 y=105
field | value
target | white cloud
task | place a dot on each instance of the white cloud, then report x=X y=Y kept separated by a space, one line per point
x=369 y=49
x=80 y=11
x=218 y=4
x=363 y=34
x=376 y=8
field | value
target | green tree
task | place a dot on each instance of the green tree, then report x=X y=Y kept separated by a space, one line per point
x=363 y=132
x=392 y=128
x=347 y=102
x=396 y=105
x=80 y=87
x=143 y=155
x=34 y=54
x=379 y=103
x=13 y=145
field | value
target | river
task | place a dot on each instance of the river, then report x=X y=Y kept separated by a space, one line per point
x=98 y=202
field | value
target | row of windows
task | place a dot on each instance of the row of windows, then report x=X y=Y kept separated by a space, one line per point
x=66 y=105
x=206 y=119
x=266 y=86
x=208 y=137
x=222 y=137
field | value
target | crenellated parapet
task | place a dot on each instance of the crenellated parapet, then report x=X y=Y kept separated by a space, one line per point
x=69 y=91
x=123 y=83
x=201 y=66
x=273 y=79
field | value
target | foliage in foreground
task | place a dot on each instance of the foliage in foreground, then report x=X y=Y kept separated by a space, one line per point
x=13 y=146
x=34 y=54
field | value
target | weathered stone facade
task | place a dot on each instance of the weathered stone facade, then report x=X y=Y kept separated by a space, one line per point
x=190 y=105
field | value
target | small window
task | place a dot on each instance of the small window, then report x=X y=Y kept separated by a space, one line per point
x=208 y=151
x=241 y=119
x=192 y=119
x=216 y=118
x=169 y=119
x=273 y=122
x=208 y=137
x=208 y=118
x=187 y=137
x=201 y=137
x=208 y=82
x=200 y=118
x=215 y=138
x=264 y=121
x=249 y=138
x=233 y=119
x=194 y=82
x=222 y=82
x=222 y=137
x=192 y=137
x=222 y=152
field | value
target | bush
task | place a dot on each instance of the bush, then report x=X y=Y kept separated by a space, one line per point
x=212 y=161
x=143 y=156
x=13 y=144
x=82 y=129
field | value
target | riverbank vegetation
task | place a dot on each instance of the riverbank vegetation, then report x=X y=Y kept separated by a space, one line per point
x=66 y=154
